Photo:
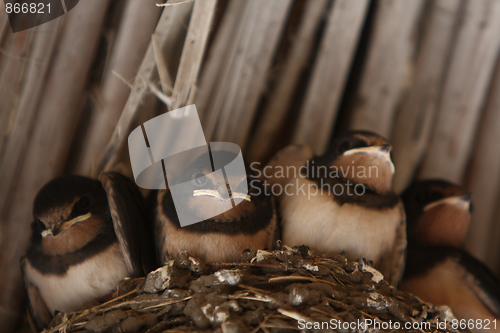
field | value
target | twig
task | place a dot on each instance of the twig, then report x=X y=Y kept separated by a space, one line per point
x=161 y=96
x=122 y=79
x=172 y=2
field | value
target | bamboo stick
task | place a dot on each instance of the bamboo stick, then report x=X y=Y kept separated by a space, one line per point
x=275 y=111
x=166 y=80
x=170 y=25
x=14 y=60
x=483 y=181
x=414 y=122
x=4 y=21
x=189 y=64
x=471 y=68
x=45 y=152
x=137 y=24
x=193 y=50
x=388 y=60
x=330 y=72
x=216 y=69
x=16 y=119
x=257 y=43
x=25 y=103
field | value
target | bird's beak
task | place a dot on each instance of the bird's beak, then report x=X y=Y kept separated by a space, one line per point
x=460 y=201
x=215 y=193
x=67 y=224
x=242 y=196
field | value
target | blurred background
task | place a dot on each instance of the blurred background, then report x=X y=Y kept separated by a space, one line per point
x=263 y=74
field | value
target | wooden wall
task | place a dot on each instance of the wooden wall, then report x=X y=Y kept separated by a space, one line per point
x=262 y=74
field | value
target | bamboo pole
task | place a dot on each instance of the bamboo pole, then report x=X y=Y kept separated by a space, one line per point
x=256 y=44
x=170 y=25
x=216 y=69
x=266 y=23
x=14 y=60
x=330 y=72
x=387 y=64
x=25 y=103
x=4 y=21
x=471 y=68
x=275 y=111
x=483 y=182
x=414 y=122
x=137 y=24
x=192 y=52
x=47 y=147
x=189 y=66
x=17 y=115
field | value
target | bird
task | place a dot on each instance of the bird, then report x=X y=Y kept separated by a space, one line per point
x=342 y=201
x=251 y=224
x=438 y=269
x=75 y=255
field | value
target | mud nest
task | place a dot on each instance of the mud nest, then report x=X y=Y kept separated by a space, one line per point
x=289 y=289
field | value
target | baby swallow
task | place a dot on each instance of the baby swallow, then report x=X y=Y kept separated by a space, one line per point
x=75 y=255
x=250 y=221
x=342 y=201
x=438 y=270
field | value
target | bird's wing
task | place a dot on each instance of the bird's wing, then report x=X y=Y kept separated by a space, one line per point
x=154 y=201
x=392 y=263
x=37 y=307
x=131 y=223
x=481 y=282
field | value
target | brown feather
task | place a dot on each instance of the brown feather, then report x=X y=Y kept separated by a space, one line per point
x=211 y=246
x=73 y=238
x=451 y=284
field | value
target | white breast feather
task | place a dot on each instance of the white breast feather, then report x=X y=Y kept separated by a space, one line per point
x=359 y=231
x=81 y=283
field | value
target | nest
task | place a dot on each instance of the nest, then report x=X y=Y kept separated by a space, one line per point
x=289 y=289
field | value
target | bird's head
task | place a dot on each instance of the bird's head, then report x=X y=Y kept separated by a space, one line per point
x=362 y=157
x=69 y=210
x=205 y=193
x=437 y=212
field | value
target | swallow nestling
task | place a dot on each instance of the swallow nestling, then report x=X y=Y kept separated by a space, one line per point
x=438 y=270
x=343 y=200
x=75 y=255
x=251 y=223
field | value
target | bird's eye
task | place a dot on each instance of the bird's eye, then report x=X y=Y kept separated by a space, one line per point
x=344 y=146
x=84 y=202
x=199 y=179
